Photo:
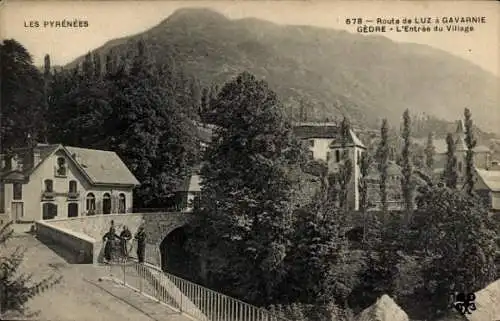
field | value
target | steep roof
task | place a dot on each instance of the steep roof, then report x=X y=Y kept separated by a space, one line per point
x=490 y=178
x=325 y=130
x=98 y=166
x=103 y=167
x=385 y=309
x=460 y=144
x=190 y=184
x=460 y=127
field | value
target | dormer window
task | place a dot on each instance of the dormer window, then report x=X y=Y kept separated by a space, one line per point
x=49 y=186
x=61 y=166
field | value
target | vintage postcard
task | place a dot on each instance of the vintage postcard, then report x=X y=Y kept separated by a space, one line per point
x=250 y=160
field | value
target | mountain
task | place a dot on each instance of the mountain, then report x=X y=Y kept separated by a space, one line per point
x=329 y=71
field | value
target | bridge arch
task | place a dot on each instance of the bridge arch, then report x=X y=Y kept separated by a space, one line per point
x=174 y=255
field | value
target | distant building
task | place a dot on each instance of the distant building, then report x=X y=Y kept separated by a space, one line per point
x=55 y=181
x=394 y=195
x=482 y=154
x=325 y=143
x=487 y=185
x=188 y=193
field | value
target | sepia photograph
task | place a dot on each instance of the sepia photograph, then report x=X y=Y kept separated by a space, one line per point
x=250 y=160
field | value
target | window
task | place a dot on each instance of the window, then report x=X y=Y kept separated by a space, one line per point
x=72 y=186
x=90 y=202
x=18 y=191
x=311 y=142
x=459 y=166
x=49 y=185
x=61 y=166
x=122 y=205
x=310 y=154
x=337 y=156
x=328 y=156
x=106 y=204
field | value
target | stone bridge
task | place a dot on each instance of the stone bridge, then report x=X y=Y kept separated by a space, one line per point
x=92 y=229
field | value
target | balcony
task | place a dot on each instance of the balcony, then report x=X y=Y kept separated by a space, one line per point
x=52 y=195
x=48 y=195
x=73 y=195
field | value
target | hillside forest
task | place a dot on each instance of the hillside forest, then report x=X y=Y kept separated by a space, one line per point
x=253 y=239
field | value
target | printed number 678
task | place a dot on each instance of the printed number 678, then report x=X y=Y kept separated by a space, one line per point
x=353 y=21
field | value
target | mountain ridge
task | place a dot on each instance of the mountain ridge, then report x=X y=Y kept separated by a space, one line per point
x=332 y=72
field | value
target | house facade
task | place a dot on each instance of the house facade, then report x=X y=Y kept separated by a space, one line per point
x=487 y=185
x=325 y=143
x=54 y=181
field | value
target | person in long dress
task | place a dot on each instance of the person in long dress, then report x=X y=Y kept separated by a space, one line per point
x=109 y=238
x=140 y=236
x=125 y=236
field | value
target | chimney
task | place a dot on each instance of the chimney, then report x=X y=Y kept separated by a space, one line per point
x=77 y=158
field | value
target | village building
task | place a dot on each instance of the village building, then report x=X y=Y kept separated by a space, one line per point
x=487 y=185
x=482 y=154
x=55 y=181
x=487 y=171
x=188 y=192
x=325 y=143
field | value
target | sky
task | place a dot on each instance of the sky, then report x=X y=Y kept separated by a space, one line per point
x=114 y=19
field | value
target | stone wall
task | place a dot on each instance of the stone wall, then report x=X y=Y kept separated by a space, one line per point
x=157 y=226
x=79 y=245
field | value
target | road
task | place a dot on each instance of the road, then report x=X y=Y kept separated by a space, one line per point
x=80 y=296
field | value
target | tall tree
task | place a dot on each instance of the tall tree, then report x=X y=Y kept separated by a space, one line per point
x=317 y=261
x=455 y=243
x=469 y=156
x=383 y=163
x=21 y=96
x=246 y=192
x=407 y=168
x=450 y=174
x=430 y=151
x=345 y=172
x=149 y=130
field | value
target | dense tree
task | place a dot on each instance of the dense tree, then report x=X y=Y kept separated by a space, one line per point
x=318 y=250
x=407 y=168
x=383 y=163
x=21 y=96
x=430 y=151
x=129 y=108
x=246 y=214
x=455 y=243
x=16 y=288
x=469 y=156
x=450 y=175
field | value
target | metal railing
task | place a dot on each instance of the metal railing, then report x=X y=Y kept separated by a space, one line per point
x=187 y=297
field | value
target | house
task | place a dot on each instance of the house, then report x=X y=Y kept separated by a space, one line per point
x=188 y=193
x=48 y=181
x=393 y=186
x=325 y=143
x=487 y=185
x=482 y=154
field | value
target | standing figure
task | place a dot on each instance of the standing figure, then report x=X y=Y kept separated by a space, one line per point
x=125 y=236
x=141 y=243
x=109 y=238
